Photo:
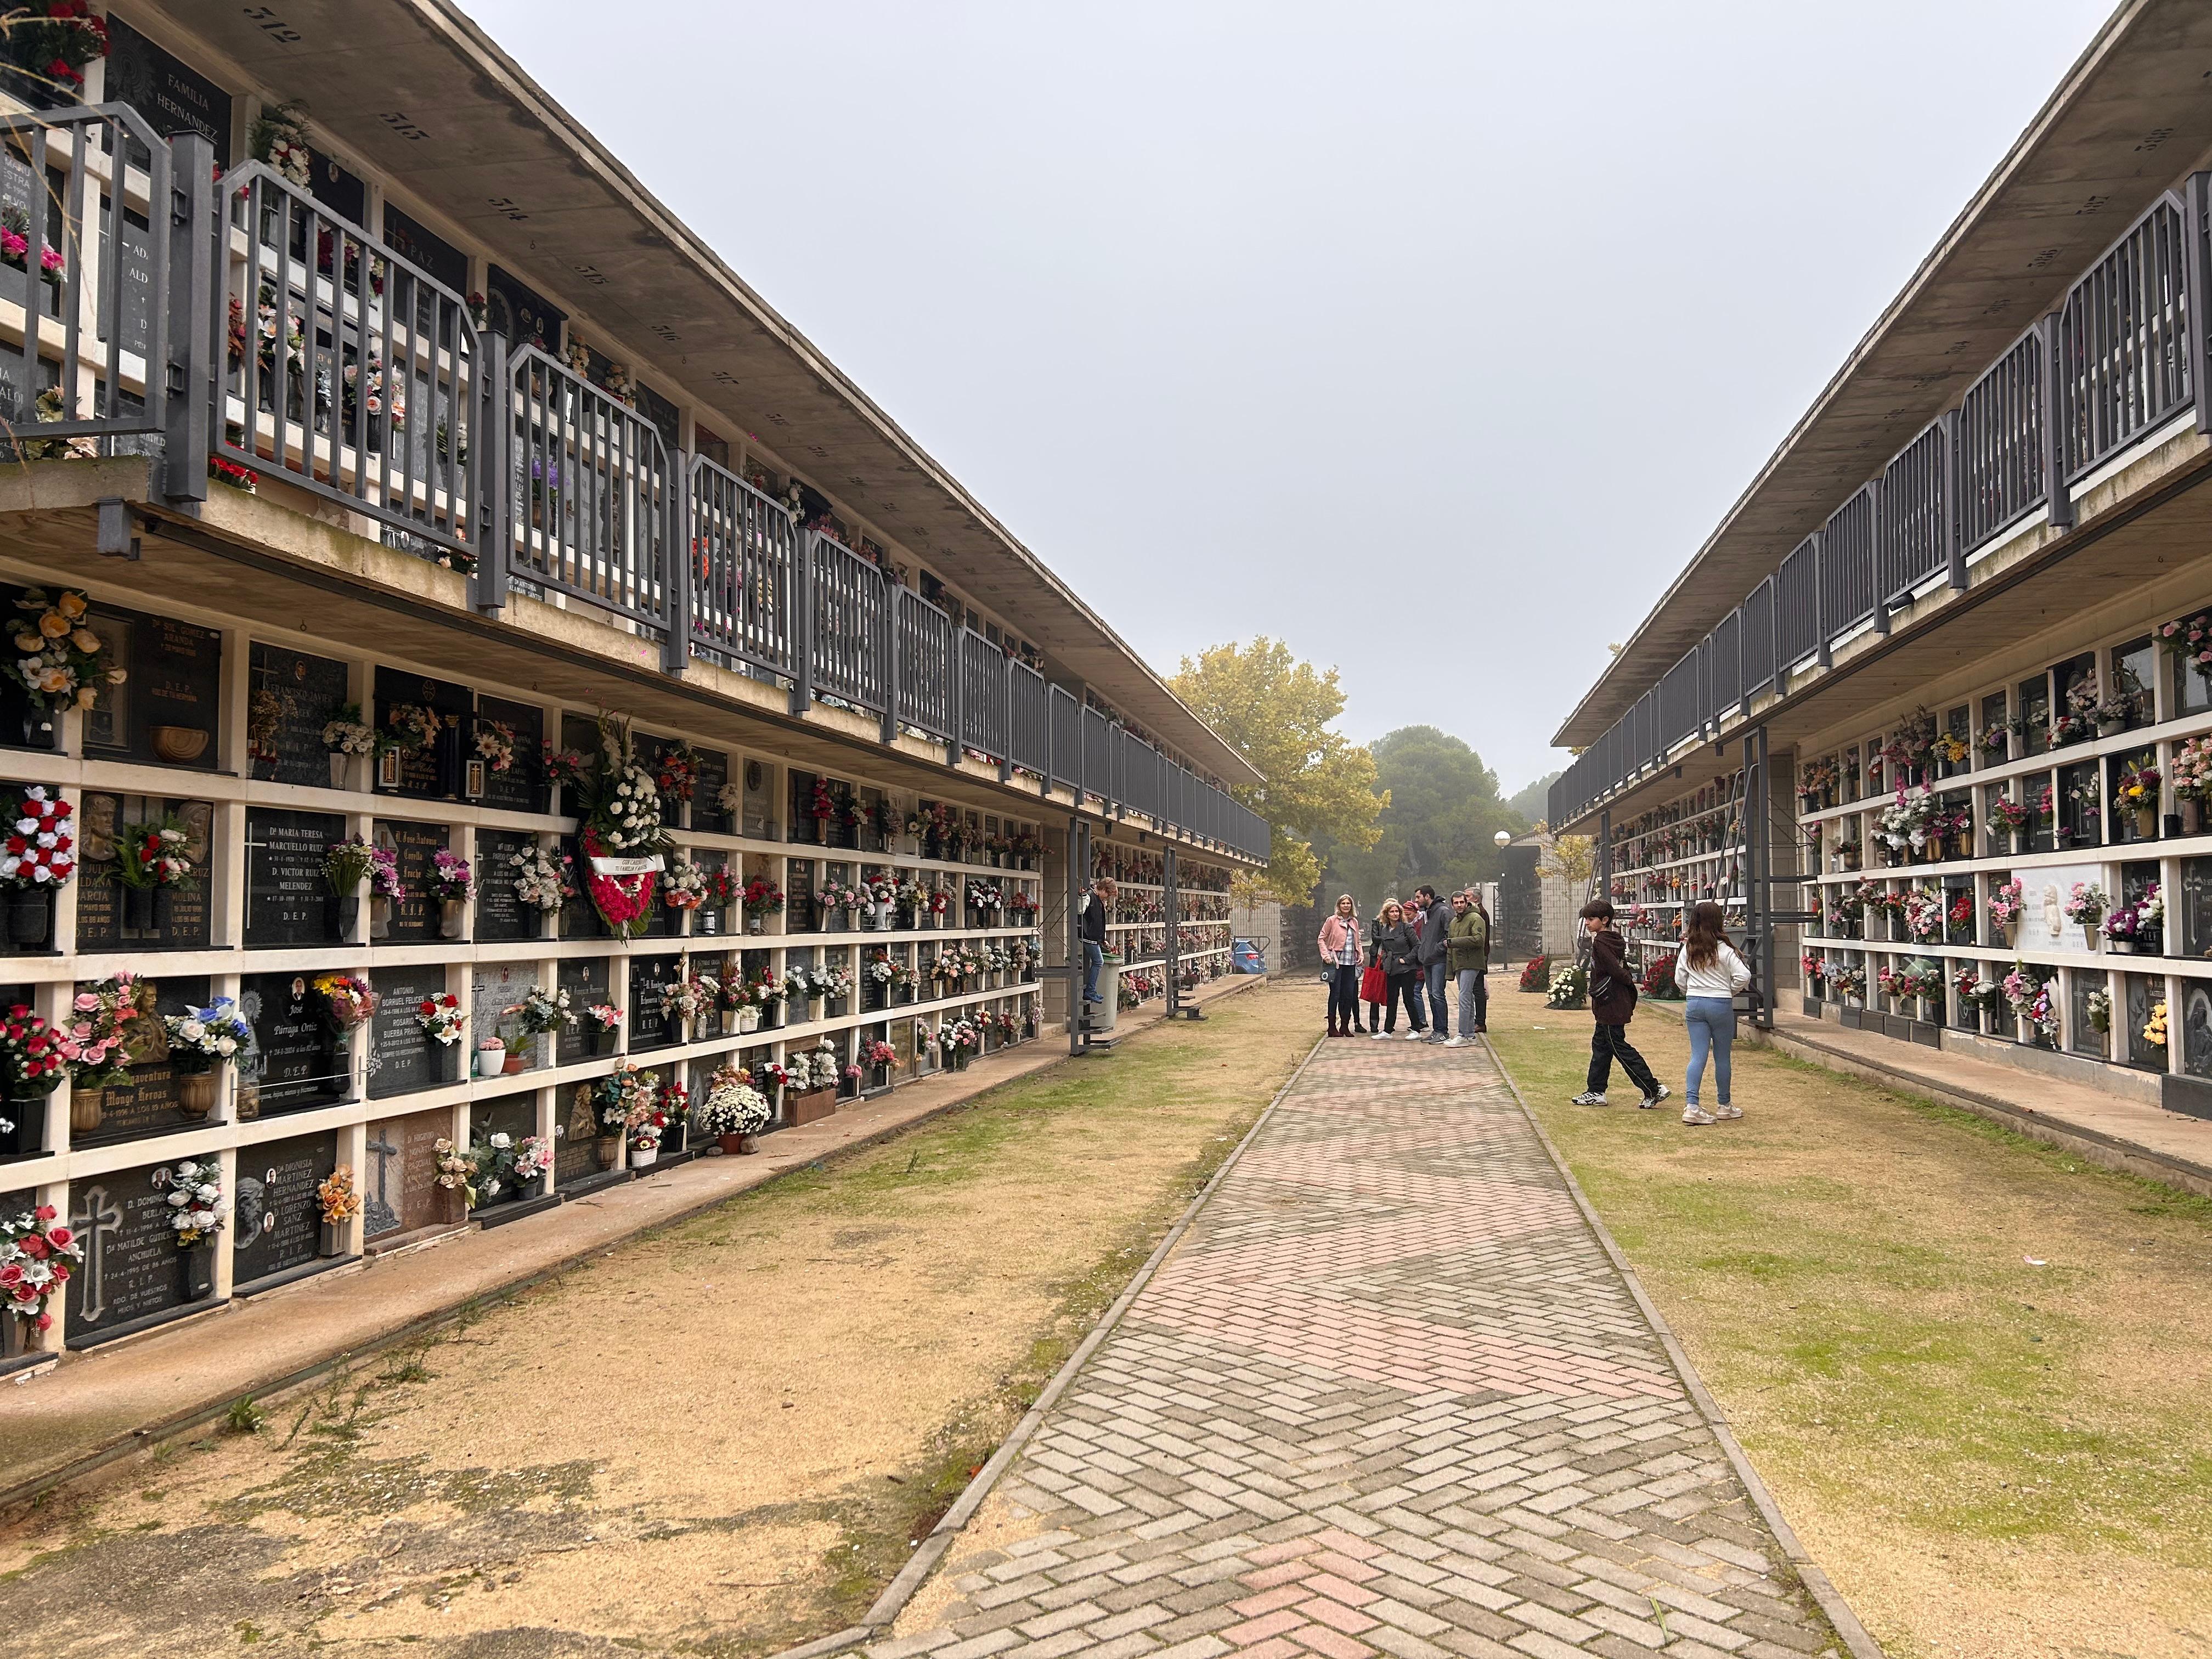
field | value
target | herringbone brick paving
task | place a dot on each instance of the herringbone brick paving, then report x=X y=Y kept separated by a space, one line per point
x=1389 y=1396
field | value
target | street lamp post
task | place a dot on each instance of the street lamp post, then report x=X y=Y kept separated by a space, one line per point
x=1504 y=839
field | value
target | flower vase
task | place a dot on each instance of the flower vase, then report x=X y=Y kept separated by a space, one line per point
x=29 y=1113
x=380 y=916
x=2011 y=933
x=345 y=916
x=196 y=1263
x=640 y=1156
x=330 y=1238
x=88 y=1106
x=446 y=1060
x=733 y=1144
x=196 y=1092
x=2192 y=814
x=138 y=908
x=749 y=1019
x=884 y=918
x=18 y=1336
x=491 y=1058
x=2121 y=947
x=609 y=1148
x=453 y=918
x=2090 y=933
x=754 y=926
x=516 y=1062
x=341 y=766
x=2147 y=824
x=30 y=915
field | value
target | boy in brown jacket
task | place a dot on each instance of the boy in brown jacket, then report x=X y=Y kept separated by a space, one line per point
x=1612 y=1004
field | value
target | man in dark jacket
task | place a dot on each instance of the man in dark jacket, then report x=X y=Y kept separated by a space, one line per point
x=1091 y=924
x=1612 y=1004
x=1435 y=931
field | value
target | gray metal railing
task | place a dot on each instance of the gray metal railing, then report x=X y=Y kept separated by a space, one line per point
x=924 y=665
x=1724 y=667
x=847 y=610
x=741 y=554
x=1847 y=572
x=248 y=323
x=590 y=495
x=1916 y=536
x=2002 y=446
x=356 y=375
x=2124 y=360
x=1797 y=606
x=85 y=278
x=1759 y=658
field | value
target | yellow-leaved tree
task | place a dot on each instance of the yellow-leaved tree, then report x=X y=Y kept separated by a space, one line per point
x=1274 y=710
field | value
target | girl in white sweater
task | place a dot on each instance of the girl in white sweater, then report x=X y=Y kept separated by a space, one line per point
x=1710 y=974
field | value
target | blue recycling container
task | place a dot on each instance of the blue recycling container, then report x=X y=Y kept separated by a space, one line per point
x=1247 y=956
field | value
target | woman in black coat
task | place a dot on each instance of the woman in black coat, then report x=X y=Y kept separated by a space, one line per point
x=1398 y=950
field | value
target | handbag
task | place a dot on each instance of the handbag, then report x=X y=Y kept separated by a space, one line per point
x=1373 y=985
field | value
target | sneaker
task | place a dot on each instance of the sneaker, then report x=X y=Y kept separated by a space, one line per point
x=1586 y=1098
x=1455 y=1043
x=1727 y=1111
x=1651 y=1102
x=1695 y=1114
x=1415 y=1037
x=1379 y=1035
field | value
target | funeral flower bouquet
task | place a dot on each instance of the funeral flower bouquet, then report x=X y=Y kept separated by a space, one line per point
x=39 y=849
x=452 y=880
x=543 y=877
x=37 y=1254
x=346 y=733
x=458 y=1169
x=443 y=1016
x=604 y=1018
x=496 y=745
x=56 y=656
x=625 y=1097
x=201 y=1039
x=336 y=1194
x=685 y=886
x=91 y=1040
x=194 y=1190
x=733 y=1105
x=543 y=1011
x=348 y=1000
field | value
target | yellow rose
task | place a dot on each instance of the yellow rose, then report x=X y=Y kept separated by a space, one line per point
x=56 y=680
x=85 y=640
x=116 y=676
x=29 y=644
x=71 y=605
x=53 y=624
x=87 y=695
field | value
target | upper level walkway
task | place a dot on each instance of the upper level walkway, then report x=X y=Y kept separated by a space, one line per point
x=1390 y=1392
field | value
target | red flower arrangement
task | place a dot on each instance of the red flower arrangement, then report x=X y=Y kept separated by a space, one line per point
x=823 y=808
x=40 y=849
x=231 y=473
x=676 y=771
x=36 y=1255
x=1536 y=974
x=30 y=1055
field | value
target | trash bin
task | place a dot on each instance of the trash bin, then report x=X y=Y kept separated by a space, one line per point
x=1248 y=956
x=1105 y=1015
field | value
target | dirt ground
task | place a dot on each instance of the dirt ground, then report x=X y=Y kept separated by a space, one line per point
x=716 y=1439
x=1973 y=1370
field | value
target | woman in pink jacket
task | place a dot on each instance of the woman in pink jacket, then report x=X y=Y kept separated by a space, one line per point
x=1339 y=958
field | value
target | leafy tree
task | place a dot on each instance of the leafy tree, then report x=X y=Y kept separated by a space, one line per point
x=1275 y=711
x=1438 y=827
x=1535 y=800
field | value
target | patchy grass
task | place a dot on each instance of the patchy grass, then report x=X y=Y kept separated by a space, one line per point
x=1972 y=1367
x=743 y=1421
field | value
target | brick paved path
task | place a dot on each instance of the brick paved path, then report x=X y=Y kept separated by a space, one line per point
x=1389 y=1395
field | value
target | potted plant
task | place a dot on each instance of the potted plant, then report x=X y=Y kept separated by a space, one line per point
x=540 y=1013
x=879 y=1057
x=446 y=1022
x=2085 y=907
x=2004 y=908
x=151 y=868
x=491 y=1056
x=340 y=1204
x=761 y=899
x=194 y=1189
x=37 y=1253
x=346 y=865
x=37 y=859
x=93 y=1042
x=346 y=734
x=2191 y=776
x=2135 y=796
x=201 y=1042
x=451 y=884
x=602 y=1020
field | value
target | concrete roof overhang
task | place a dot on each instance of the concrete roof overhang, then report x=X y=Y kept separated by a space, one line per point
x=475 y=139
x=2135 y=106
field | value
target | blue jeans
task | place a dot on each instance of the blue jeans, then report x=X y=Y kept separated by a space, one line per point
x=1439 y=1004
x=1344 y=995
x=1474 y=1001
x=1093 y=959
x=1711 y=1021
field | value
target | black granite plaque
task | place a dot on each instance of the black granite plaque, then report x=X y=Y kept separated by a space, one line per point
x=288 y=900
x=414 y=917
x=432 y=773
x=167 y=712
x=173 y=97
x=101 y=907
x=711 y=919
x=706 y=812
x=585 y=980
x=576 y=1147
x=146 y=1104
x=133 y=253
x=278 y=1219
x=132 y=1266
x=521 y=787
x=798 y=810
x=292 y=696
x=579 y=917
x=519 y=311
x=295 y=1062
x=399 y=1190
x=649 y=1027
x=439 y=259
x=401 y=1055
x=336 y=186
x=515 y=1116
x=499 y=914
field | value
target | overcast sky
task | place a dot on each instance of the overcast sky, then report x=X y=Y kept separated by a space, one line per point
x=1430 y=338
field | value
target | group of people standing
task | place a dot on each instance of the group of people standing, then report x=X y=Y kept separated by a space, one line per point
x=1414 y=949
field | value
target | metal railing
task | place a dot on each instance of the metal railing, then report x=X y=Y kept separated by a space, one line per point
x=358 y=377
x=742 y=562
x=147 y=306
x=1797 y=606
x=2123 y=357
x=1915 y=530
x=1847 y=572
x=591 y=495
x=1724 y=667
x=2002 y=475
x=1760 y=658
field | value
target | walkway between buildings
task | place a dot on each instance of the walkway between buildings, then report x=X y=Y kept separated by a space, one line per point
x=1389 y=1393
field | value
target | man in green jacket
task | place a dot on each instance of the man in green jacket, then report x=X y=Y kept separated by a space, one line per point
x=1467 y=950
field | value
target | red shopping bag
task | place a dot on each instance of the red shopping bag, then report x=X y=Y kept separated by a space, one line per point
x=1372 y=987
